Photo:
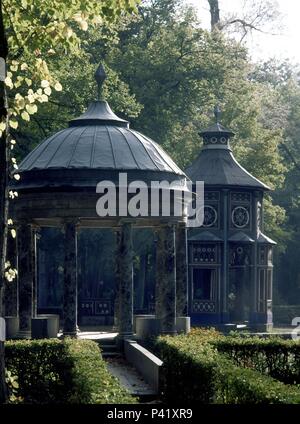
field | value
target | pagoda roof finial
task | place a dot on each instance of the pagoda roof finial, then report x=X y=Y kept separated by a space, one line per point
x=100 y=77
x=217 y=113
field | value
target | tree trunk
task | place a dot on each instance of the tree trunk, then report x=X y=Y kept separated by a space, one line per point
x=3 y=197
x=214 y=13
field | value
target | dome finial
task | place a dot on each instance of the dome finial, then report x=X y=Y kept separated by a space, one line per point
x=217 y=112
x=100 y=77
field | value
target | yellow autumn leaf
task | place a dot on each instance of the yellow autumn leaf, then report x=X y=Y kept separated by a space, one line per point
x=58 y=87
x=8 y=82
x=13 y=233
x=25 y=116
x=45 y=83
x=13 y=124
x=47 y=91
x=83 y=25
x=31 y=109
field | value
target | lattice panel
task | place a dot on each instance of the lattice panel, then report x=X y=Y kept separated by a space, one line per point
x=95 y=307
x=203 y=306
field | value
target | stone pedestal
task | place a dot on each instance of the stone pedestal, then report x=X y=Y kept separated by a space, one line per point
x=165 y=297
x=45 y=326
x=70 y=280
x=117 y=280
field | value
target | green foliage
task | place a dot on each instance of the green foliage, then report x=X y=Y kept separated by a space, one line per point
x=283 y=79
x=12 y=387
x=69 y=371
x=178 y=72
x=193 y=363
x=38 y=33
x=272 y=356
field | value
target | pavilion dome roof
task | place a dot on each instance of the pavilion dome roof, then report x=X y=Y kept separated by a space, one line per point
x=97 y=143
x=99 y=139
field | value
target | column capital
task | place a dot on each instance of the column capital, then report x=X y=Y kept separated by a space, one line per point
x=35 y=227
x=257 y=194
x=70 y=221
x=127 y=221
x=74 y=221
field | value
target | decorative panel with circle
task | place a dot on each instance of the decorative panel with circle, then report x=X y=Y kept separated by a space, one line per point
x=240 y=216
x=204 y=253
x=210 y=216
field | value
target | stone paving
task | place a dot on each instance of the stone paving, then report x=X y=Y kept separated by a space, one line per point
x=129 y=377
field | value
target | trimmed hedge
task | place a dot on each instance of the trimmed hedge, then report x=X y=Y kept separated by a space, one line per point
x=194 y=371
x=68 y=371
x=272 y=356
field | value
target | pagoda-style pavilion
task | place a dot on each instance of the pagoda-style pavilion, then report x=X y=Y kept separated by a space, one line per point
x=230 y=258
x=58 y=189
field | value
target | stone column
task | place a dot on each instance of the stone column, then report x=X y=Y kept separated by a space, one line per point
x=11 y=305
x=70 y=279
x=181 y=271
x=254 y=288
x=125 y=269
x=117 y=279
x=165 y=296
x=35 y=231
x=26 y=277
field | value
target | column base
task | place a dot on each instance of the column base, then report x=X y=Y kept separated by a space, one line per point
x=73 y=335
x=168 y=333
x=23 y=334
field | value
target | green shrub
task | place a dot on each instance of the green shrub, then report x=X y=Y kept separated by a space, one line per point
x=194 y=371
x=68 y=371
x=271 y=356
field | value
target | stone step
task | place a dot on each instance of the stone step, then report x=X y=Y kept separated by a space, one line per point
x=111 y=354
x=108 y=346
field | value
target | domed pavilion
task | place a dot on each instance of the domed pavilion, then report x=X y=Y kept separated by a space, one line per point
x=58 y=188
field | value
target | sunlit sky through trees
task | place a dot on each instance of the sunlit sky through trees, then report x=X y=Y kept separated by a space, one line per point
x=286 y=42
